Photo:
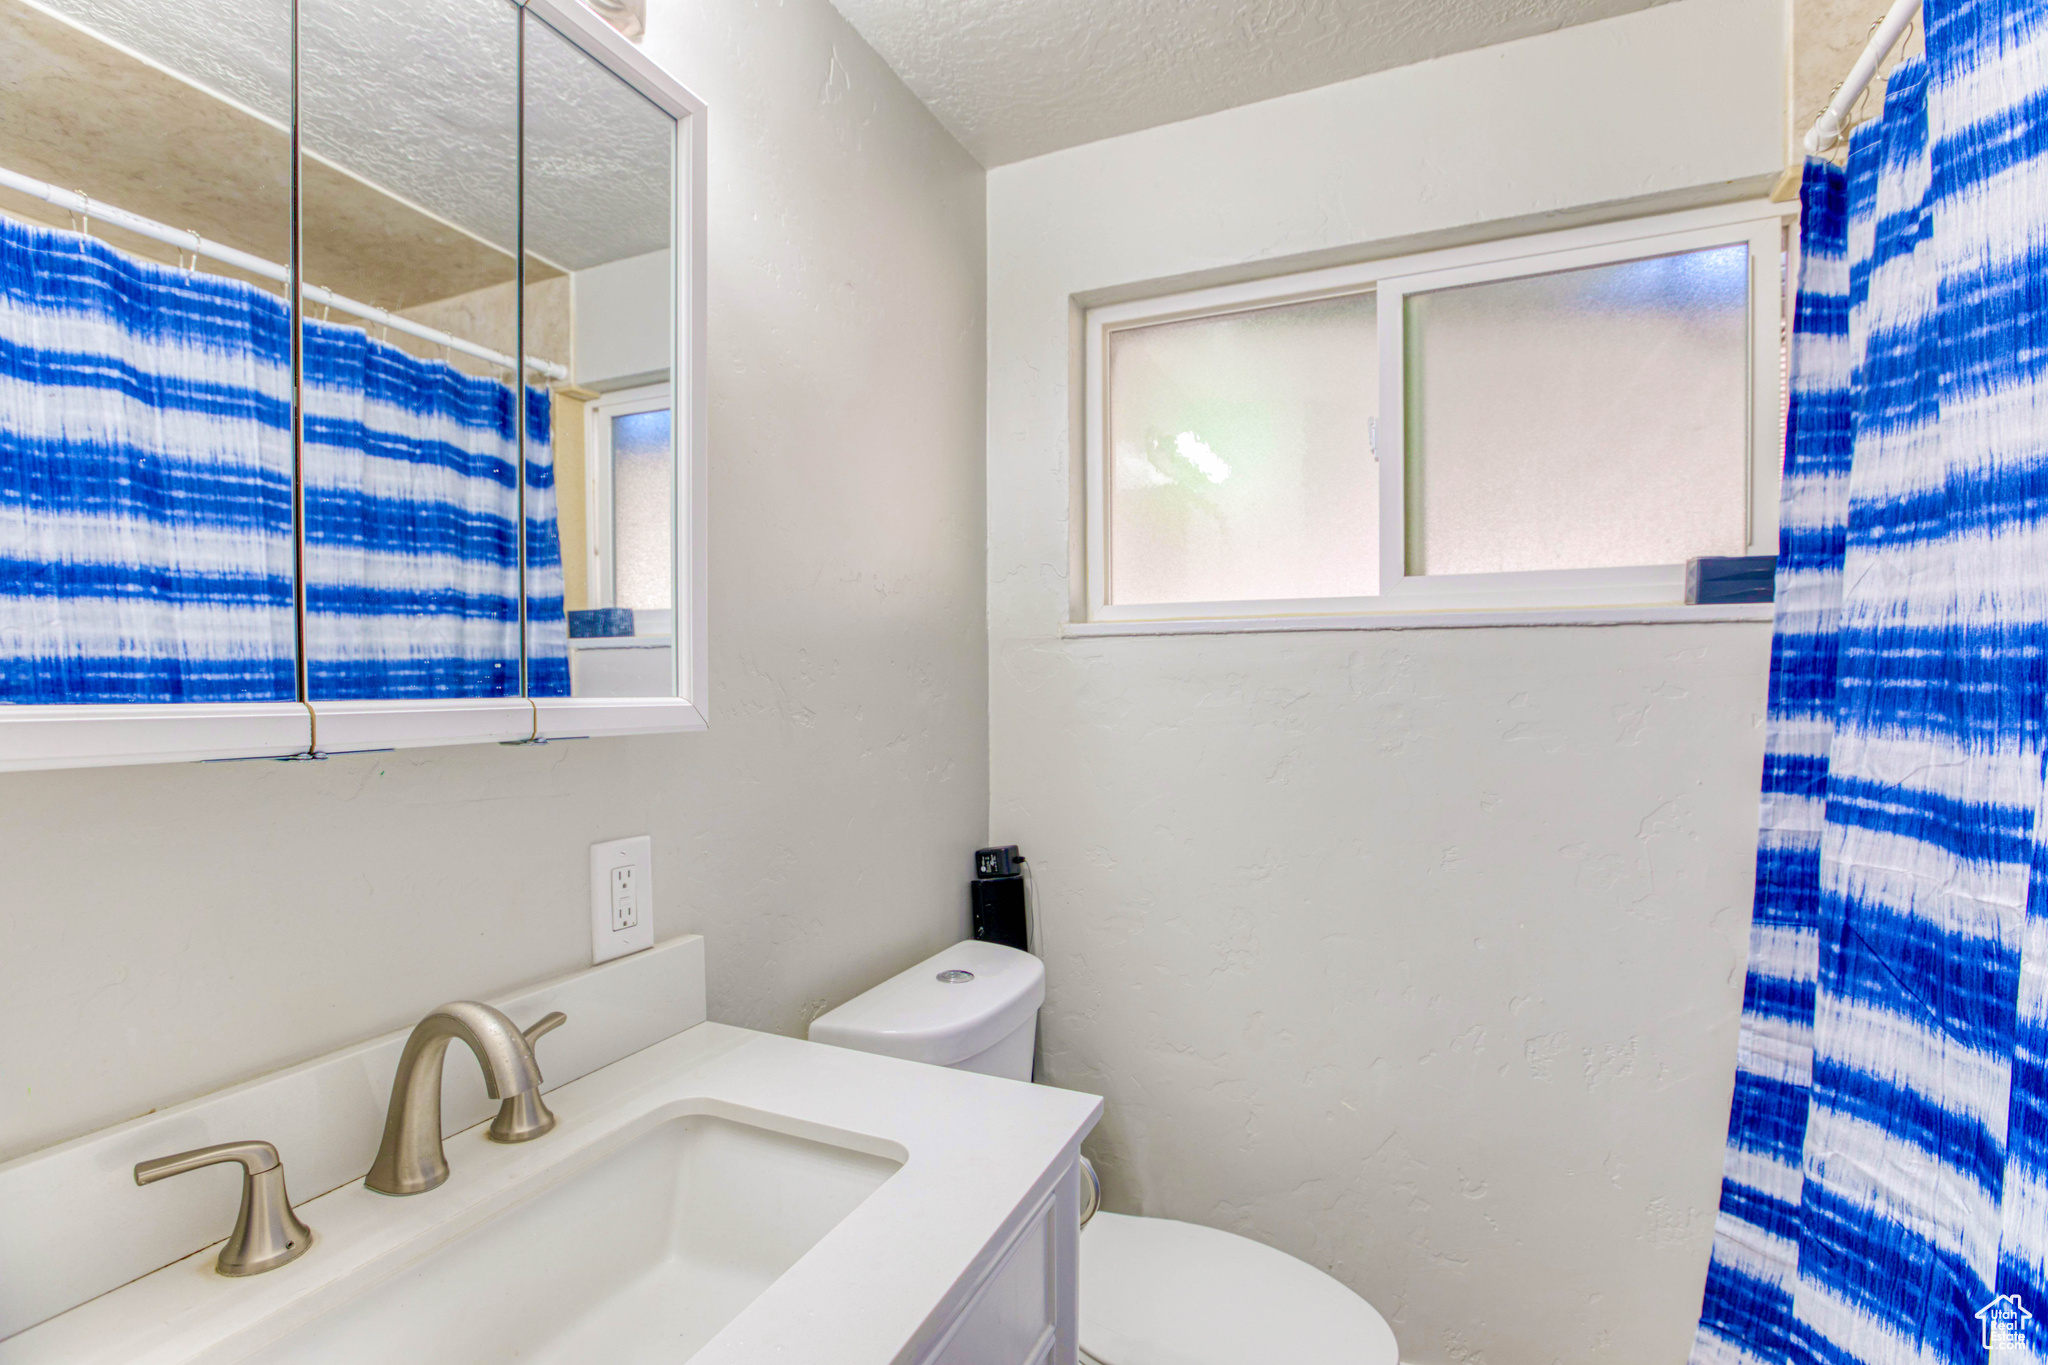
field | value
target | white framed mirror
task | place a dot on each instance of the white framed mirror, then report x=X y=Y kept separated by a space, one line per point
x=315 y=509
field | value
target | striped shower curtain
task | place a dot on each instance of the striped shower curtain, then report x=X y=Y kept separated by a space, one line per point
x=1885 y=1188
x=412 y=544
x=146 y=498
x=145 y=480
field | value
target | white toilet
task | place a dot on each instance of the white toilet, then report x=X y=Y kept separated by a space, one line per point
x=1153 y=1291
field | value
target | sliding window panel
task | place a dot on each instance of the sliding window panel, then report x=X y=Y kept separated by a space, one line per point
x=409 y=123
x=1240 y=455
x=1595 y=418
x=602 y=493
x=145 y=359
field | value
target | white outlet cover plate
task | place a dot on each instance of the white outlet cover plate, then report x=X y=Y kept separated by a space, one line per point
x=606 y=942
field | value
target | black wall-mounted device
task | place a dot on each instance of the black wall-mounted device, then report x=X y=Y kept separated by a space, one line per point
x=997 y=896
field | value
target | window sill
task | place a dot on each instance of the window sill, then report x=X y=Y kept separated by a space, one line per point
x=1676 y=615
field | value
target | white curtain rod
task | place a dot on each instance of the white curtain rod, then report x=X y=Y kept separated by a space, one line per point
x=1827 y=129
x=89 y=209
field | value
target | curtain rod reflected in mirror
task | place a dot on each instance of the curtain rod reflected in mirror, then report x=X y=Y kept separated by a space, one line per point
x=201 y=248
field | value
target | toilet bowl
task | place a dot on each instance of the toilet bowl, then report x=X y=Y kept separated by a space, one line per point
x=1153 y=1291
x=1158 y=1292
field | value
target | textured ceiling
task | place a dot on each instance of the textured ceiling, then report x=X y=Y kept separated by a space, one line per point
x=419 y=97
x=88 y=117
x=1017 y=78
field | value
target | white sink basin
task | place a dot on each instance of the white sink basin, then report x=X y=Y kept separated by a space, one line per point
x=721 y=1197
x=641 y=1256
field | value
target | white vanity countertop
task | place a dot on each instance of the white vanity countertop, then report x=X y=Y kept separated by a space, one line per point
x=978 y=1155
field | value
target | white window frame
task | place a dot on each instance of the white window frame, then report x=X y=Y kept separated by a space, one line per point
x=1650 y=592
x=74 y=736
x=599 y=511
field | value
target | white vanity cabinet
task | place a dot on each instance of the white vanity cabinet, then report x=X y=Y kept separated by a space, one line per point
x=1022 y=1311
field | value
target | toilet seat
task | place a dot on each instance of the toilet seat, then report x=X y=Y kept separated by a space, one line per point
x=1157 y=1292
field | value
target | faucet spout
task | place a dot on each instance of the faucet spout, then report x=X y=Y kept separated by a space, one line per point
x=410 y=1159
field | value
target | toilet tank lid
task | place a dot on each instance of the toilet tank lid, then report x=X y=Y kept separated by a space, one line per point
x=920 y=1017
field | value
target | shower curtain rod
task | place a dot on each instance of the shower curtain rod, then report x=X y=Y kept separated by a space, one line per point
x=89 y=209
x=1827 y=129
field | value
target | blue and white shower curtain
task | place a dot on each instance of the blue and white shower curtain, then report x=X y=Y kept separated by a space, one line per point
x=1885 y=1190
x=146 y=498
x=412 y=547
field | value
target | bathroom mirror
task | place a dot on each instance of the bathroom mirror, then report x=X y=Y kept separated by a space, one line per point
x=145 y=432
x=456 y=493
x=409 y=116
x=600 y=198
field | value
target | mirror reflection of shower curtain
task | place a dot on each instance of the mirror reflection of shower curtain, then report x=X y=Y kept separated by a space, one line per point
x=145 y=498
x=547 y=623
x=145 y=479
x=411 y=523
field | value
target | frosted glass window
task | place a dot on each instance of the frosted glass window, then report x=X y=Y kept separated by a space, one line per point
x=643 y=495
x=1240 y=455
x=1593 y=418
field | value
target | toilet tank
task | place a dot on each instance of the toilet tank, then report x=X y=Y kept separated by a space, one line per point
x=973 y=1007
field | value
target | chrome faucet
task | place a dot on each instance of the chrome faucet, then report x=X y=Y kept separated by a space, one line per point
x=410 y=1160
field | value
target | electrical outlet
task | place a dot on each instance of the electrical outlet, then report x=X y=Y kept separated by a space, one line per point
x=621 y=897
x=625 y=897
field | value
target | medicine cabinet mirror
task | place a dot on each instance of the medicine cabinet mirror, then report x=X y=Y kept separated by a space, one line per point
x=350 y=357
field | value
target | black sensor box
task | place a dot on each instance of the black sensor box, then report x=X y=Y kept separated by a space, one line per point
x=997 y=898
x=999 y=911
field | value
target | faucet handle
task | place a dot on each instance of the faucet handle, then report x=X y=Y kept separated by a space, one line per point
x=525 y=1116
x=548 y=1024
x=267 y=1232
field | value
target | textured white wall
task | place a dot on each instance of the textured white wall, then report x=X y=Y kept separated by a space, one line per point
x=1416 y=954
x=165 y=930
